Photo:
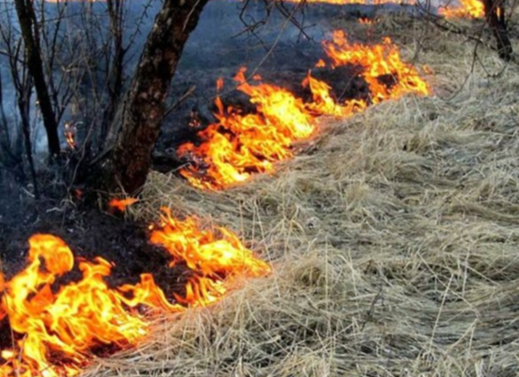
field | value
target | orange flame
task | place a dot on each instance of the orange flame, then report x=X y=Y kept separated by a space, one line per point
x=378 y=61
x=240 y=145
x=121 y=204
x=56 y=330
x=207 y=253
x=345 y=2
x=465 y=9
x=367 y=21
x=79 y=316
x=323 y=102
x=70 y=135
x=219 y=84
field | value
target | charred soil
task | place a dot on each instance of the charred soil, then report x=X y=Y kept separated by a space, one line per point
x=90 y=233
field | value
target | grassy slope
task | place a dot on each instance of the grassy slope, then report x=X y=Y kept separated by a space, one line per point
x=394 y=239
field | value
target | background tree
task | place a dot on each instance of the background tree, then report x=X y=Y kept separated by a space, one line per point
x=127 y=130
x=135 y=128
x=31 y=38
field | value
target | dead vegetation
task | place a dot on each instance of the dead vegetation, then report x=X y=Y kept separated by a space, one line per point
x=393 y=238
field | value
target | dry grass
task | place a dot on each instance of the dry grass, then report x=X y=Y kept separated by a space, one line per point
x=394 y=239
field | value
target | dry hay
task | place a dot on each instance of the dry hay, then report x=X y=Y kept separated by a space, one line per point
x=393 y=238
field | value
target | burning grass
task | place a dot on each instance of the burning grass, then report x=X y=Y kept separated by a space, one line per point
x=394 y=240
x=464 y=9
x=239 y=145
x=449 y=9
x=57 y=323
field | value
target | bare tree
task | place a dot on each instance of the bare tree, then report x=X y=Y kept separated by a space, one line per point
x=135 y=129
x=19 y=144
x=30 y=34
x=86 y=68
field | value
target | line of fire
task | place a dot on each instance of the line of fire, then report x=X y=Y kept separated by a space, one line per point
x=60 y=310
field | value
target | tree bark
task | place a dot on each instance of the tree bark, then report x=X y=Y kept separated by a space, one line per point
x=115 y=80
x=27 y=20
x=495 y=16
x=23 y=105
x=136 y=125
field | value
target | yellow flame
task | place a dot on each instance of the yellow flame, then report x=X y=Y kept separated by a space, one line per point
x=57 y=325
x=464 y=9
x=239 y=145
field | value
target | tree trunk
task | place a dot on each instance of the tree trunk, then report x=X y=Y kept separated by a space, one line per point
x=27 y=20
x=136 y=125
x=23 y=106
x=495 y=15
x=115 y=80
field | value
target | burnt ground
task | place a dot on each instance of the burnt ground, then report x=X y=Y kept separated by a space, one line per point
x=89 y=232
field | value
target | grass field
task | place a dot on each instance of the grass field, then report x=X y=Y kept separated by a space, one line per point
x=394 y=239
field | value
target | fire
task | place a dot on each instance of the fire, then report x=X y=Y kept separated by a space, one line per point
x=57 y=326
x=121 y=204
x=239 y=145
x=345 y=2
x=323 y=102
x=79 y=316
x=70 y=135
x=381 y=61
x=219 y=84
x=367 y=21
x=207 y=253
x=465 y=8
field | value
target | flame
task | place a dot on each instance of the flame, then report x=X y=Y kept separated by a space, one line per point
x=58 y=325
x=378 y=61
x=323 y=102
x=79 y=316
x=239 y=145
x=70 y=135
x=207 y=253
x=78 y=193
x=204 y=251
x=345 y=2
x=367 y=21
x=121 y=204
x=219 y=84
x=465 y=9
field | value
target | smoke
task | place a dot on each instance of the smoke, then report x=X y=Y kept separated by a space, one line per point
x=275 y=41
x=76 y=38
